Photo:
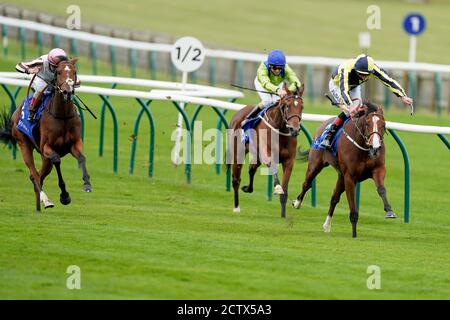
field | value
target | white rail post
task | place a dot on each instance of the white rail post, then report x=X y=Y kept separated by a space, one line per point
x=187 y=55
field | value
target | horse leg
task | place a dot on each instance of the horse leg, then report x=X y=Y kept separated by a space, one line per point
x=340 y=187
x=77 y=152
x=278 y=189
x=236 y=181
x=251 y=172
x=27 y=155
x=378 y=176
x=287 y=171
x=46 y=168
x=45 y=171
x=350 y=191
x=315 y=165
x=48 y=152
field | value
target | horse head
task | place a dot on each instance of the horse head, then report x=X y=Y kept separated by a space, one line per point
x=291 y=107
x=66 y=78
x=374 y=127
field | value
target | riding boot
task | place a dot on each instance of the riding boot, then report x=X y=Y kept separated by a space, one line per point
x=337 y=123
x=252 y=114
x=33 y=108
x=327 y=141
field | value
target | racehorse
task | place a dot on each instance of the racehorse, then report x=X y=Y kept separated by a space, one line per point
x=59 y=134
x=274 y=140
x=360 y=155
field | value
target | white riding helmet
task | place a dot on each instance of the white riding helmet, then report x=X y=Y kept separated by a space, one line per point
x=56 y=55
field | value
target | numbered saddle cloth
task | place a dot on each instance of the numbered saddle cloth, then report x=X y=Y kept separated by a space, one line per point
x=31 y=129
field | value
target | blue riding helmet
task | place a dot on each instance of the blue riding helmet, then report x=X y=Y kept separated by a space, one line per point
x=362 y=65
x=276 y=58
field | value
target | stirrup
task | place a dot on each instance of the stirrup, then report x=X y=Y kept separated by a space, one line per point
x=325 y=145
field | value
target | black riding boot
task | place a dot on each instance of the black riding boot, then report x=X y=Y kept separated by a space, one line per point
x=33 y=109
x=328 y=140
x=252 y=114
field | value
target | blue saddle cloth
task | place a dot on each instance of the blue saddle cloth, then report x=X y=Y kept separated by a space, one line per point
x=252 y=122
x=334 y=145
x=31 y=128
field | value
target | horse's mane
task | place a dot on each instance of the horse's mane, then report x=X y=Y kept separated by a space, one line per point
x=371 y=107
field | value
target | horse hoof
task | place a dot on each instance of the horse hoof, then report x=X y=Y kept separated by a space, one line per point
x=48 y=205
x=296 y=204
x=247 y=189
x=390 y=215
x=87 y=188
x=65 y=200
x=236 y=210
x=326 y=228
x=278 y=190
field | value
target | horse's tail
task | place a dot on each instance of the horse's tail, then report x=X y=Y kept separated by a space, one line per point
x=302 y=155
x=6 y=127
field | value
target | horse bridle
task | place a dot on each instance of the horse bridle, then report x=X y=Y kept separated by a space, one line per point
x=56 y=85
x=367 y=138
x=284 y=108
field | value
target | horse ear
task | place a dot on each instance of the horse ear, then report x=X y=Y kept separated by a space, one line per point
x=287 y=90
x=74 y=60
x=301 y=90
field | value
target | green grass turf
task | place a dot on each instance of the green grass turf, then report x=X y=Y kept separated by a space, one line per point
x=160 y=238
x=306 y=27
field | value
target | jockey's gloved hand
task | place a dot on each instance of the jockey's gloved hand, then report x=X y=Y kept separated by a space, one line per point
x=281 y=92
x=407 y=100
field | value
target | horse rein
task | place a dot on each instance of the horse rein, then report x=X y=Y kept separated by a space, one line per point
x=366 y=139
x=68 y=81
x=283 y=116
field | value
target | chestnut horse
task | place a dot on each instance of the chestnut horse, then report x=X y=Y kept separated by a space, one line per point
x=59 y=134
x=360 y=156
x=273 y=141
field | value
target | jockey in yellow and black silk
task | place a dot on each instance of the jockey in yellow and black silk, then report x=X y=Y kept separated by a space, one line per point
x=345 y=88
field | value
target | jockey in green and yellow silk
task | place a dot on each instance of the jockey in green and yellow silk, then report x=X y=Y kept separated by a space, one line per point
x=270 y=79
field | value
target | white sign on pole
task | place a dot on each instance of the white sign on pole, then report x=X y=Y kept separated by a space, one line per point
x=413 y=24
x=187 y=55
x=364 y=40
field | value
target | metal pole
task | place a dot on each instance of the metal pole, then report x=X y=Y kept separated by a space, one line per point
x=115 y=132
x=437 y=79
x=93 y=50
x=5 y=40
x=407 y=174
x=179 y=122
x=313 y=185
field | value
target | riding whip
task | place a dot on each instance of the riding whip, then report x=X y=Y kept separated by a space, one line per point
x=87 y=108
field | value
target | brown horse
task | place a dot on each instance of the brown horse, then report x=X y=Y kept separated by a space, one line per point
x=360 y=156
x=273 y=141
x=59 y=134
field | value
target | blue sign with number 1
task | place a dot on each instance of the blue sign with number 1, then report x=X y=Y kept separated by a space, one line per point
x=414 y=24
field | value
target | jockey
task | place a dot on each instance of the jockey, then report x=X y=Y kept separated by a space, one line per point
x=345 y=88
x=44 y=68
x=270 y=79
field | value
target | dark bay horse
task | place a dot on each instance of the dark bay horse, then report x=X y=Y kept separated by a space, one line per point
x=59 y=134
x=273 y=141
x=360 y=156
